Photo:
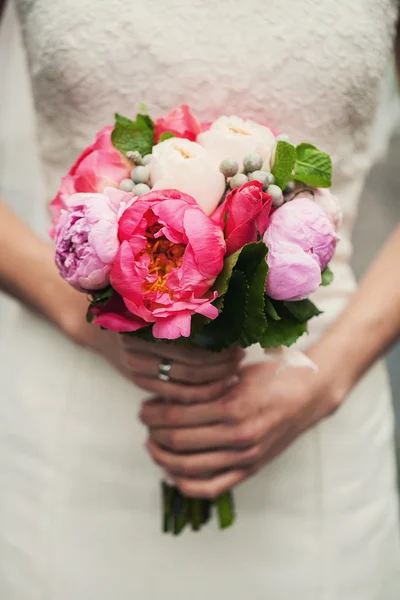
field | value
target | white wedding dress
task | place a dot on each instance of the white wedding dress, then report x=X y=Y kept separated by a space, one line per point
x=79 y=496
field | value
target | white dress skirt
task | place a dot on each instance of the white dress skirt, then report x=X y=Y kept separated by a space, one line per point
x=79 y=496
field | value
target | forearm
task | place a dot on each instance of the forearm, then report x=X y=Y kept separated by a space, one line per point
x=28 y=272
x=368 y=326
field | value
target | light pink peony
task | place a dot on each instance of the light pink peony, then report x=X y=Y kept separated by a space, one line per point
x=86 y=237
x=170 y=255
x=330 y=204
x=301 y=241
x=180 y=122
x=243 y=215
x=99 y=166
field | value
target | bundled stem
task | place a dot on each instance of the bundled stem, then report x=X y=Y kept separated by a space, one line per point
x=179 y=510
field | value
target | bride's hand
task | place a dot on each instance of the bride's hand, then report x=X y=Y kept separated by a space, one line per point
x=195 y=375
x=209 y=448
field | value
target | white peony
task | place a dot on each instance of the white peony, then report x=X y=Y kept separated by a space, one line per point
x=186 y=166
x=233 y=137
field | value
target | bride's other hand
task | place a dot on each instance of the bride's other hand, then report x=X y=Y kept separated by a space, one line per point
x=208 y=449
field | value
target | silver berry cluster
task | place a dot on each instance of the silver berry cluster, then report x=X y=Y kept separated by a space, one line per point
x=252 y=171
x=139 y=182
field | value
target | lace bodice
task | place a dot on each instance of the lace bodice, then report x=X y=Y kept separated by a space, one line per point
x=312 y=69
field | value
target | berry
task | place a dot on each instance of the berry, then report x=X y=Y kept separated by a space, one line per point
x=146 y=160
x=126 y=185
x=261 y=176
x=237 y=181
x=140 y=174
x=276 y=193
x=140 y=189
x=252 y=162
x=134 y=156
x=229 y=167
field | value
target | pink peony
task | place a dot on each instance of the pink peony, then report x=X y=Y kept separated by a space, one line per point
x=301 y=241
x=180 y=122
x=169 y=257
x=86 y=237
x=99 y=166
x=245 y=212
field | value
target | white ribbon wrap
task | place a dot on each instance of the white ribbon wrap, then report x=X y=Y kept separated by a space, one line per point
x=288 y=357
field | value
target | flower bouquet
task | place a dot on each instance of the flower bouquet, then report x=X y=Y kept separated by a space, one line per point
x=207 y=234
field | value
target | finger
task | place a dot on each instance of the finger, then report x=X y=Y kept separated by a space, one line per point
x=148 y=366
x=214 y=487
x=220 y=483
x=157 y=413
x=205 y=463
x=188 y=354
x=223 y=435
x=185 y=393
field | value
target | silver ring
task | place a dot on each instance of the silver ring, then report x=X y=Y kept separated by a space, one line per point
x=164 y=369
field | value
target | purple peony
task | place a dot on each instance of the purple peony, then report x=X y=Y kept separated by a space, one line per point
x=301 y=241
x=86 y=237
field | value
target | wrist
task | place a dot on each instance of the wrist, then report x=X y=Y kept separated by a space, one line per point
x=337 y=374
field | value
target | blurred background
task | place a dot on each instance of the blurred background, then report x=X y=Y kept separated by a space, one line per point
x=20 y=171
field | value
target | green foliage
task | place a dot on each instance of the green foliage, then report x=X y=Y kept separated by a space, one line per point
x=102 y=296
x=285 y=156
x=98 y=299
x=313 y=167
x=166 y=136
x=136 y=135
x=89 y=316
x=226 y=329
x=302 y=310
x=222 y=282
x=284 y=332
x=270 y=309
x=252 y=262
x=327 y=276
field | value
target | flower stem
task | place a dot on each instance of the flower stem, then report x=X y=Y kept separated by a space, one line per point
x=167 y=496
x=225 y=509
x=181 y=511
x=196 y=513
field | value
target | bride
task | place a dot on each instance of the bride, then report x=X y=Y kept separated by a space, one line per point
x=313 y=454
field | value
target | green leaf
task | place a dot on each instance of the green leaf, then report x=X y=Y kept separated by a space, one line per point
x=313 y=167
x=285 y=156
x=90 y=316
x=284 y=332
x=270 y=310
x=249 y=258
x=327 y=276
x=121 y=120
x=252 y=261
x=102 y=296
x=136 y=135
x=144 y=122
x=302 y=310
x=226 y=329
x=222 y=282
x=143 y=108
x=166 y=136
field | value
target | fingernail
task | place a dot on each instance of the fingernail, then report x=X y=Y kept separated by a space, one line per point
x=232 y=381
